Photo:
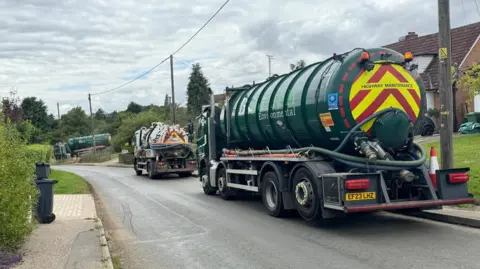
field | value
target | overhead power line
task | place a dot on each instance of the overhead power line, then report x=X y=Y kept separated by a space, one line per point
x=164 y=60
x=125 y=84
x=476 y=4
x=221 y=68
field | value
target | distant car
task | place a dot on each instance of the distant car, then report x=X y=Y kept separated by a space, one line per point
x=426 y=127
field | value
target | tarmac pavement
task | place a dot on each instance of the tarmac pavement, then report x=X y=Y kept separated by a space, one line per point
x=170 y=223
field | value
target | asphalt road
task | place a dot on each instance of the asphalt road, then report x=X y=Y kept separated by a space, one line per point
x=170 y=223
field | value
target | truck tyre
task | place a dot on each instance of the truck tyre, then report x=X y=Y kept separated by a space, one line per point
x=135 y=167
x=151 y=173
x=224 y=191
x=185 y=174
x=271 y=195
x=305 y=195
x=203 y=174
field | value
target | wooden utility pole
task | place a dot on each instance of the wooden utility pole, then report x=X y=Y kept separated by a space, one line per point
x=445 y=85
x=91 y=122
x=173 y=89
x=58 y=110
x=270 y=57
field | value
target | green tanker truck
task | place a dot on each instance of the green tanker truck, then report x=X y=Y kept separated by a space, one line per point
x=81 y=145
x=326 y=140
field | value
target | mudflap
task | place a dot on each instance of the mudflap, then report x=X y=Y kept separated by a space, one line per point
x=452 y=184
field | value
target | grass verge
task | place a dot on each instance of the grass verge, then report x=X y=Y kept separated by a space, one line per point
x=68 y=183
x=116 y=262
x=466 y=150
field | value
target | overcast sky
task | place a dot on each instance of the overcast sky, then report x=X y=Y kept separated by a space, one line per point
x=61 y=50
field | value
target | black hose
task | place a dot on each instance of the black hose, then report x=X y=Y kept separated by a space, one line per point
x=350 y=133
x=378 y=167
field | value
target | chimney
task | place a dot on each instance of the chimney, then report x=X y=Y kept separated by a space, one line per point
x=411 y=35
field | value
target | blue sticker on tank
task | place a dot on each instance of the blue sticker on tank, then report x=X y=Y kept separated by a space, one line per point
x=332 y=101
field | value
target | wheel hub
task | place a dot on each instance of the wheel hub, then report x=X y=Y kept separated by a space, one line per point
x=271 y=195
x=204 y=180
x=303 y=193
x=221 y=183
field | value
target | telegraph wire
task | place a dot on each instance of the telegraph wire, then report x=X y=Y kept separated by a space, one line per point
x=216 y=67
x=476 y=4
x=164 y=60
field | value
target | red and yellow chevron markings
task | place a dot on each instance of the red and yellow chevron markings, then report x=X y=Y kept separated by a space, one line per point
x=383 y=87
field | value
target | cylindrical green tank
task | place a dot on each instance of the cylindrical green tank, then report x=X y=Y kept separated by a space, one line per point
x=83 y=142
x=318 y=104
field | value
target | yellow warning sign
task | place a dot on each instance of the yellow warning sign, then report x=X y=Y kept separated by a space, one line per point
x=326 y=119
x=173 y=138
x=443 y=53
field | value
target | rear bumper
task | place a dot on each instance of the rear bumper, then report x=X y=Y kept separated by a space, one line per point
x=407 y=205
x=178 y=170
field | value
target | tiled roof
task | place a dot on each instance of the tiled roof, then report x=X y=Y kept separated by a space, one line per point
x=462 y=40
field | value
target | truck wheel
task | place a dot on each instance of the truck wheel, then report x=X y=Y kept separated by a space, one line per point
x=224 y=191
x=185 y=174
x=207 y=188
x=306 y=198
x=137 y=171
x=151 y=173
x=271 y=195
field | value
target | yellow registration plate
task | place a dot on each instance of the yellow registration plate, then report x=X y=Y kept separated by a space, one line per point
x=356 y=196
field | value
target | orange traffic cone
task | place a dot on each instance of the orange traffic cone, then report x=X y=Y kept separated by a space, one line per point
x=433 y=166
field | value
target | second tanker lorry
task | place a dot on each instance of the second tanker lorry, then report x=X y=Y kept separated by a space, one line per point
x=163 y=149
x=332 y=138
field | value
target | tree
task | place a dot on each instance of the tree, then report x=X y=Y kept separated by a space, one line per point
x=35 y=111
x=298 y=65
x=11 y=109
x=131 y=123
x=198 y=91
x=100 y=114
x=75 y=123
x=470 y=80
x=134 y=108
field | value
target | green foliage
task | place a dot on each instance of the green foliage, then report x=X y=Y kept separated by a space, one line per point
x=75 y=123
x=35 y=111
x=68 y=183
x=433 y=112
x=134 y=108
x=40 y=128
x=198 y=91
x=40 y=153
x=18 y=193
x=100 y=115
x=298 y=65
x=131 y=123
x=465 y=156
x=470 y=81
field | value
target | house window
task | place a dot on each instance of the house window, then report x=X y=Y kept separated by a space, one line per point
x=430 y=101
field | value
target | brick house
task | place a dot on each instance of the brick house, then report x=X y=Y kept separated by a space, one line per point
x=465 y=51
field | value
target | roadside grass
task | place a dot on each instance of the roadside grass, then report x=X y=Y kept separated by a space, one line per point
x=466 y=154
x=116 y=262
x=68 y=183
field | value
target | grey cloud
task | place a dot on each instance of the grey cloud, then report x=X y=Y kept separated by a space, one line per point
x=48 y=43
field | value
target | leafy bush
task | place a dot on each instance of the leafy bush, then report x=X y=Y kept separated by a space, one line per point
x=40 y=153
x=18 y=194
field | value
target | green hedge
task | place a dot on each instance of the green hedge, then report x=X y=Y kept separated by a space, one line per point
x=40 y=153
x=18 y=194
